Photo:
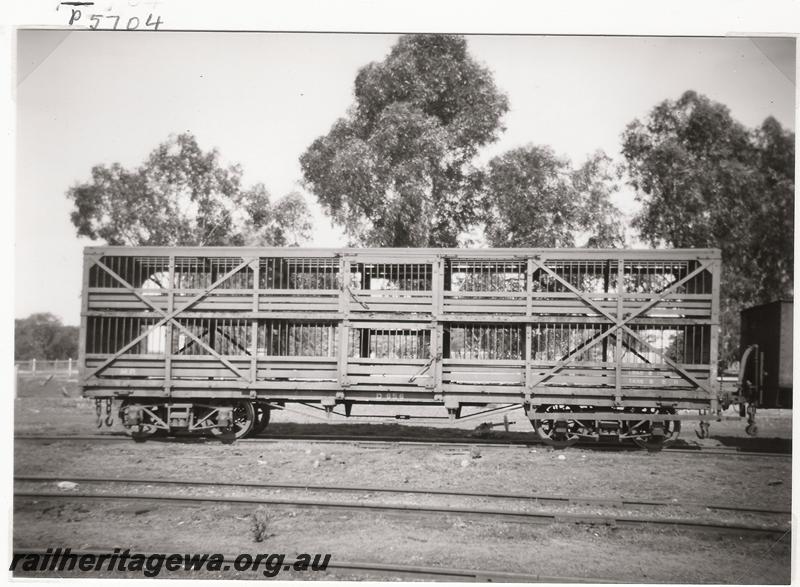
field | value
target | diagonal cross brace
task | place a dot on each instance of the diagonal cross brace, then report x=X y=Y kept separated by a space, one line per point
x=593 y=341
x=425 y=367
x=666 y=292
x=355 y=298
x=586 y=299
x=571 y=357
x=591 y=303
x=169 y=317
x=618 y=323
x=682 y=372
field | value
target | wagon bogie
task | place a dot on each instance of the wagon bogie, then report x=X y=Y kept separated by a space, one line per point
x=562 y=425
x=549 y=329
x=228 y=420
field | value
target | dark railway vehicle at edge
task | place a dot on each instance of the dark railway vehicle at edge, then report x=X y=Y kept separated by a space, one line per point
x=766 y=365
x=764 y=376
x=592 y=343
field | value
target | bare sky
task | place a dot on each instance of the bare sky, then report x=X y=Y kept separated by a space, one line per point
x=98 y=97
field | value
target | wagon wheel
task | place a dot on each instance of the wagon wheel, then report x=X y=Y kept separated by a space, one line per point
x=262 y=413
x=244 y=417
x=672 y=429
x=139 y=432
x=547 y=429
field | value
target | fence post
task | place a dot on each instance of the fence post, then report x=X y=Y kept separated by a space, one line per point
x=33 y=366
x=69 y=367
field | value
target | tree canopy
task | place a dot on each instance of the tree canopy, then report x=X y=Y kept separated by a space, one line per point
x=705 y=180
x=43 y=336
x=535 y=199
x=182 y=195
x=397 y=170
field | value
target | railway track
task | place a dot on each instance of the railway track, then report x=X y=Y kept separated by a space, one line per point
x=536 y=498
x=495 y=514
x=167 y=496
x=386 y=569
x=373 y=441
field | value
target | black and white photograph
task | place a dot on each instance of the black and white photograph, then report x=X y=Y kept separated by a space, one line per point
x=400 y=306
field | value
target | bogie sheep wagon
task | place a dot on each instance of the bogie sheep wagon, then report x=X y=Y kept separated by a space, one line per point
x=592 y=343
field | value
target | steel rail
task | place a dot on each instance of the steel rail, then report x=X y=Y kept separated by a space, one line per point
x=367 y=567
x=524 y=517
x=555 y=499
x=411 y=441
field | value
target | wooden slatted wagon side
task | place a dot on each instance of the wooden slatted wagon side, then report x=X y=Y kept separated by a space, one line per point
x=592 y=343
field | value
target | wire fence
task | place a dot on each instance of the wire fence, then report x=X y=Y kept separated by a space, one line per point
x=66 y=367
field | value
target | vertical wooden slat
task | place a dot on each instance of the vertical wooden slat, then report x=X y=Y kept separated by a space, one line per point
x=437 y=332
x=715 y=269
x=104 y=346
x=344 y=321
x=88 y=262
x=606 y=269
x=168 y=350
x=256 y=266
x=528 y=328
x=437 y=287
x=619 y=334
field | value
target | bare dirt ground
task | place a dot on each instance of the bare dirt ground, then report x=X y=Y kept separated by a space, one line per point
x=593 y=552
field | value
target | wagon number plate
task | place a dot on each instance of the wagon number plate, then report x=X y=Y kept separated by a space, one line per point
x=388 y=396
